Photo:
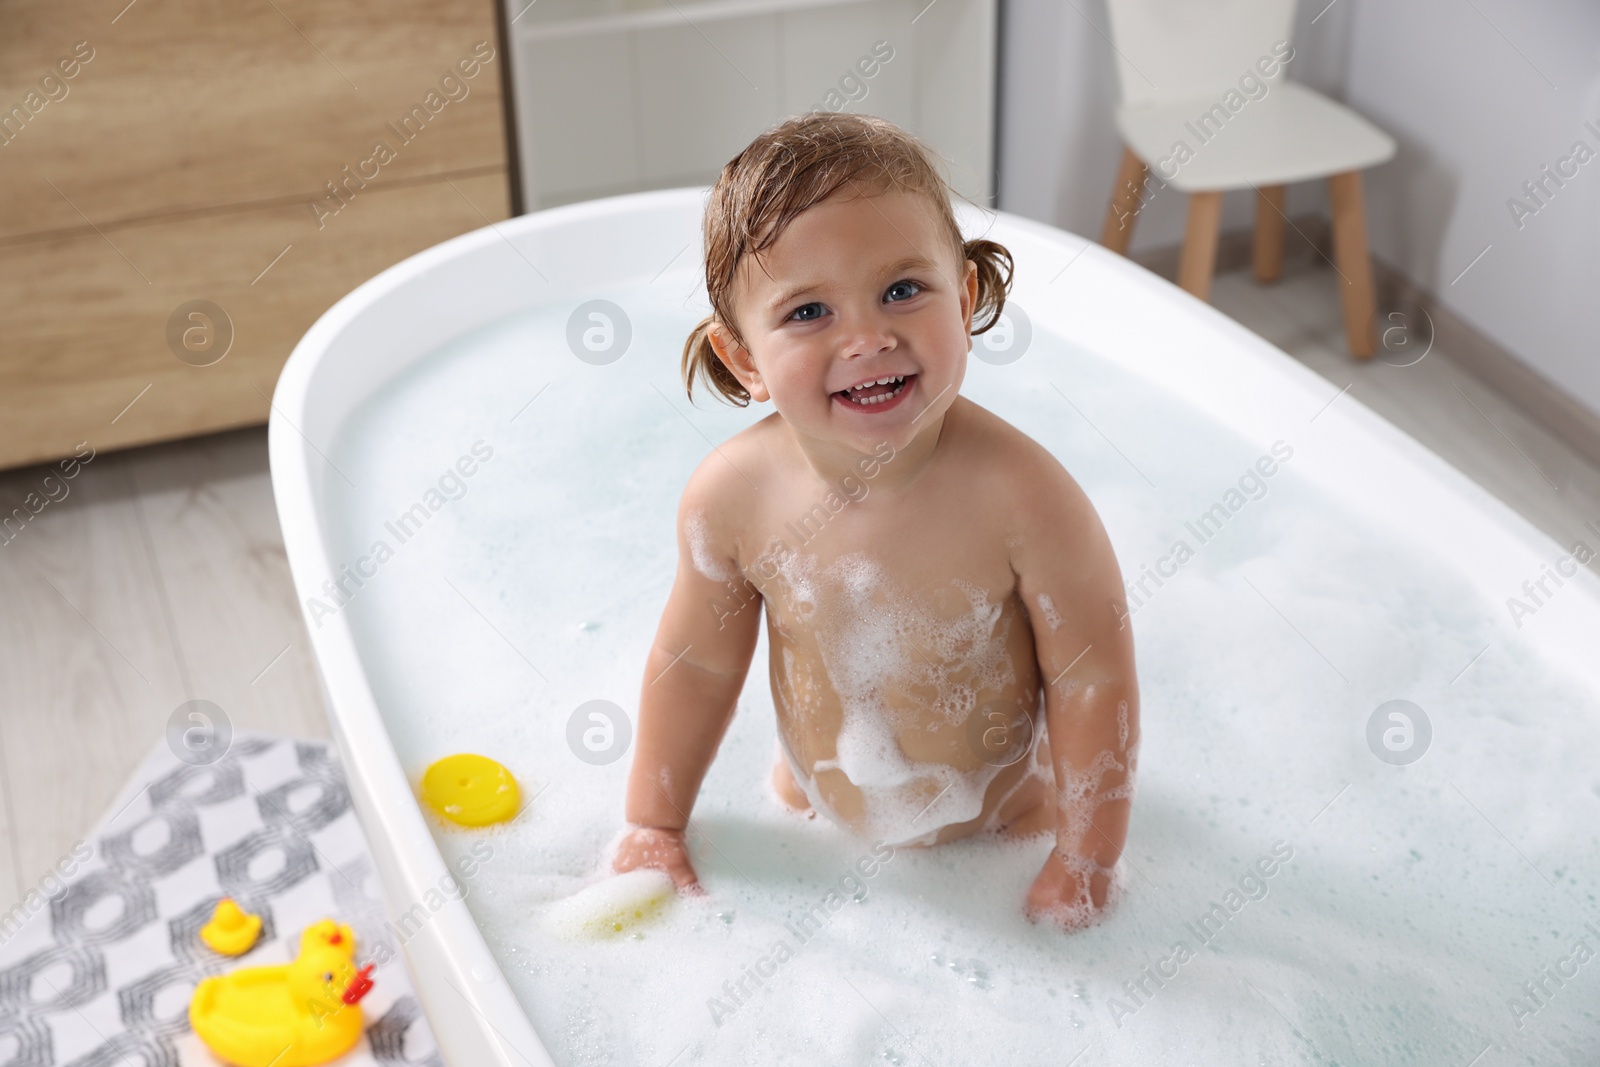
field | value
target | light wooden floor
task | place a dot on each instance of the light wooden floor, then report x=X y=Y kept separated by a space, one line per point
x=161 y=576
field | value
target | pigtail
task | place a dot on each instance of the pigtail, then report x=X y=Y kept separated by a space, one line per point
x=996 y=272
x=700 y=361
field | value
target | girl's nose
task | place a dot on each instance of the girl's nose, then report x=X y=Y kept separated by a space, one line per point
x=867 y=335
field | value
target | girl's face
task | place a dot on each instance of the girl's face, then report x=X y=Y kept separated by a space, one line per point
x=856 y=290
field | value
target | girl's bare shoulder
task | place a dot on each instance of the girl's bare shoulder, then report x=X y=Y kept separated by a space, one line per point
x=721 y=500
x=733 y=469
x=1012 y=478
x=990 y=446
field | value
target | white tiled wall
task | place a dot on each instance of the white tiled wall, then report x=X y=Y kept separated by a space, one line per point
x=646 y=94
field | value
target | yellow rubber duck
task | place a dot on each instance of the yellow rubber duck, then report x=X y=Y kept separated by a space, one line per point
x=232 y=931
x=292 y=1015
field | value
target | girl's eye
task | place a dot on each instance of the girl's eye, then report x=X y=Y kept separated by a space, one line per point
x=906 y=283
x=813 y=306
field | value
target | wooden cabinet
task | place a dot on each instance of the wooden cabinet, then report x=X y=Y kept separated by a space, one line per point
x=187 y=185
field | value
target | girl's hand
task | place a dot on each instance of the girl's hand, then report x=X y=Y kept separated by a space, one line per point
x=1060 y=893
x=658 y=848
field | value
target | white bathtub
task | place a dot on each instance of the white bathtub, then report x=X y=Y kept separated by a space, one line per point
x=1103 y=302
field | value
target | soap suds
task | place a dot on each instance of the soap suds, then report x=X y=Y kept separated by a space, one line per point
x=893 y=666
x=699 y=537
x=1080 y=794
x=1051 y=617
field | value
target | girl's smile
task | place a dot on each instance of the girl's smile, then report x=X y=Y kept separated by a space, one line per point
x=877 y=395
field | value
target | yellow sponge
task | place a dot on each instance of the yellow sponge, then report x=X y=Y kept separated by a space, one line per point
x=617 y=905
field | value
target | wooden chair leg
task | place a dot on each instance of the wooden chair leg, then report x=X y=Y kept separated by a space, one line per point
x=1355 y=264
x=1200 y=243
x=1269 y=233
x=1125 y=203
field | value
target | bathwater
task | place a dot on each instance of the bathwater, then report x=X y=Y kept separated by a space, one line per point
x=1297 y=887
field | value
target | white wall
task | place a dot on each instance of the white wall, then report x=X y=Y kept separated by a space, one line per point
x=1474 y=119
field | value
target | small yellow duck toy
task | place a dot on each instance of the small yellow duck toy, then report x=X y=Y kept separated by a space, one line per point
x=232 y=931
x=298 y=1014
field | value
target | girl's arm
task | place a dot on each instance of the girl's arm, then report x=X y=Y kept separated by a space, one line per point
x=692 y=680
x=1072 y=589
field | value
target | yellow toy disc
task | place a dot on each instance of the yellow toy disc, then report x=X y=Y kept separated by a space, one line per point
x=470 y=790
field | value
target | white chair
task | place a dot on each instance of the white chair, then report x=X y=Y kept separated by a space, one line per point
x=1206 y=105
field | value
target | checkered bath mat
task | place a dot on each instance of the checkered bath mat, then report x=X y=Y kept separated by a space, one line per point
x=97 y=962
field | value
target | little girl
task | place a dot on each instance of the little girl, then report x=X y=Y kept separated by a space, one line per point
x=943 y=605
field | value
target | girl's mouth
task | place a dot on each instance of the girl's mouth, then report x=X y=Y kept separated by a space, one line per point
x=879 y=396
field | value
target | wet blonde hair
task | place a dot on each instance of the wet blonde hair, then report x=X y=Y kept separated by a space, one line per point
x=787 y=169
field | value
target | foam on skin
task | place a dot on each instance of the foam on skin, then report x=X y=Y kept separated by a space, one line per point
x=694 y=528
x=1047 y=607
x=1080 y=793
x=869 y=637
